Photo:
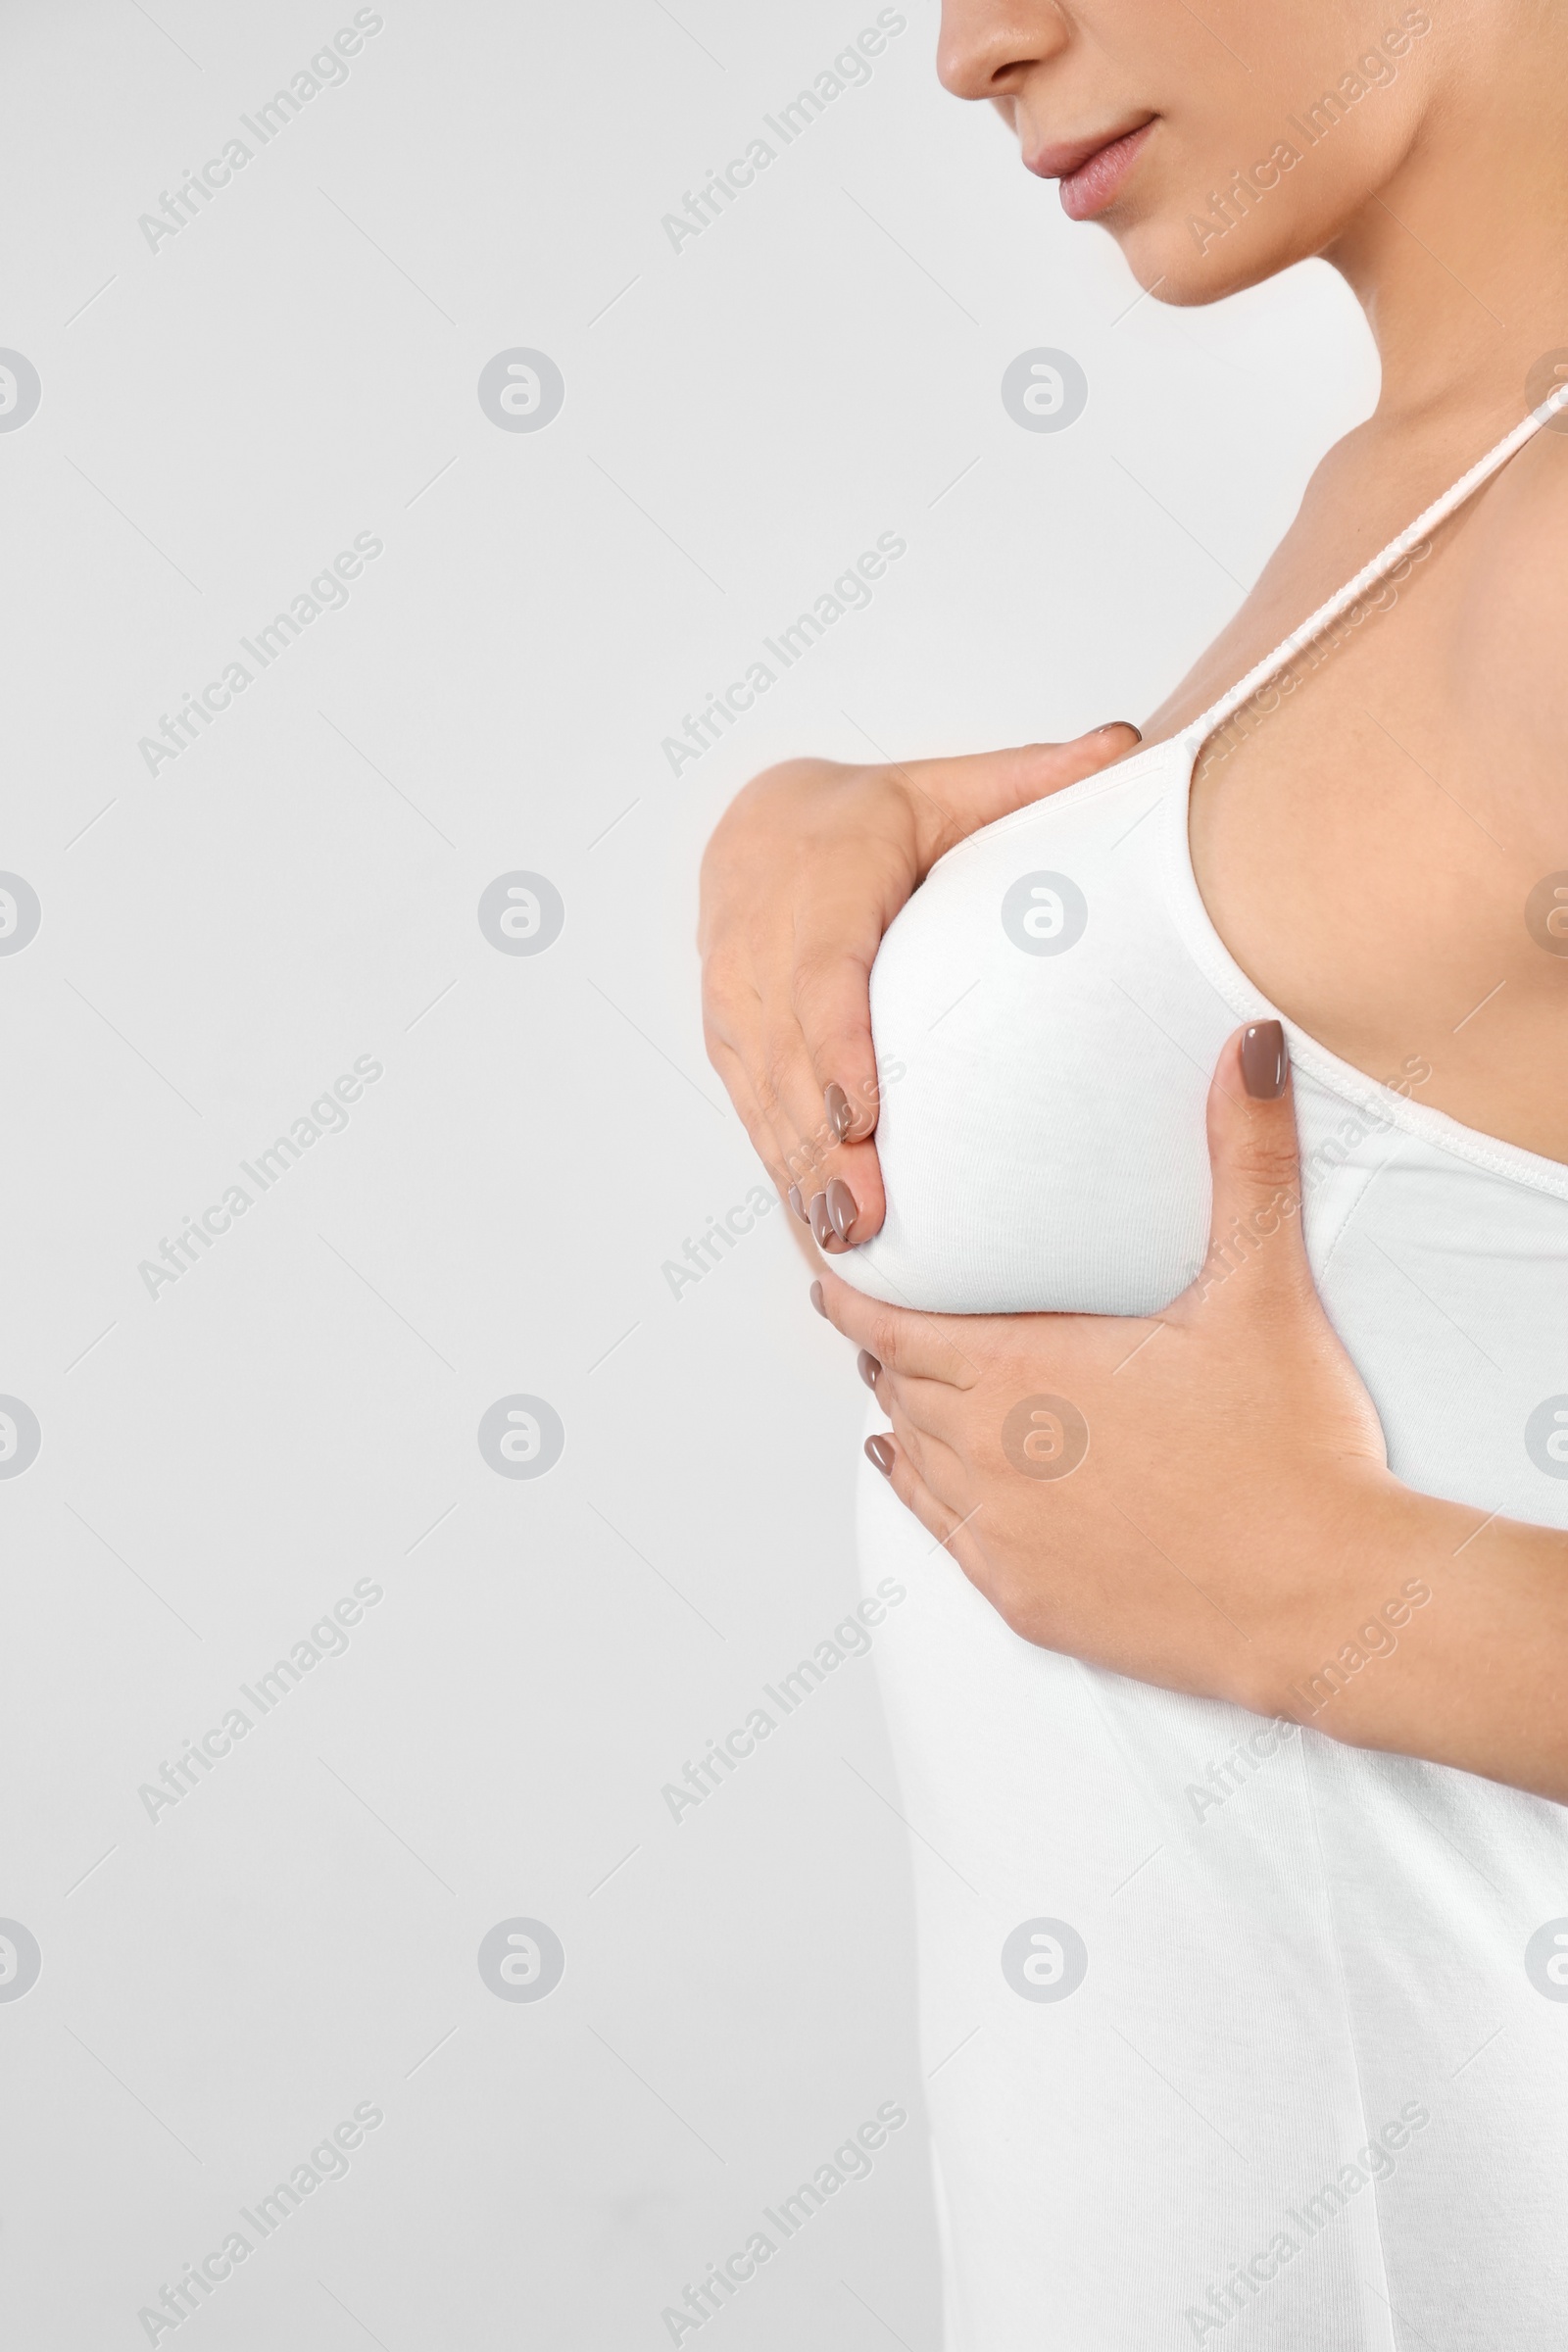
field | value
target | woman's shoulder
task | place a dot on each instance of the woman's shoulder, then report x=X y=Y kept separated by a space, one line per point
x=1504 y=565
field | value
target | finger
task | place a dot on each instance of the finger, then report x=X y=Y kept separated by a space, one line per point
x=928 y=1407
x=832 y=1006
x=901 y=1337
x=836 y=942
x=850 y=1205
x=948 y=1528
x=839 y=1183
x=837 y=934
x=934 y=1458
x=988 y=785
x=774 y=1104
x=1255 y=1160
x=842 y=1148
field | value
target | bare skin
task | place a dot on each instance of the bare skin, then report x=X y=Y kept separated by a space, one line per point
x=1386 y=1619
x=808 y=867
x=1424 y=756
x=1365 y=841
x=1421 y=765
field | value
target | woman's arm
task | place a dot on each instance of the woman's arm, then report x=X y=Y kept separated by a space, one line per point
x=1203 y=1500
x=805 y=870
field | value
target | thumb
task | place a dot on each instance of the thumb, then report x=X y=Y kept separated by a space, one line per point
x=1255 y=1160
x=953 y=798
x=1032 y=771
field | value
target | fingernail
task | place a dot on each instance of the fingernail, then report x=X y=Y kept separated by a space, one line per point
x=1113 y=724
x=797 y=1204
x=1266 y=1063
x=841 y=1207
x=879 y=1451
x=866 y=1365
x=817 y=1297
x=821 y=1221
x=840 y=1117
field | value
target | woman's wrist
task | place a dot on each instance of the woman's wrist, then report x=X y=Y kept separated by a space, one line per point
x=1438 y=1632
x=1227 y=1524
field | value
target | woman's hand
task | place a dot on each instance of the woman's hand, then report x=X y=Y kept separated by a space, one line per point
x=1203 y=1500
x=1177 y=1497
x=805 y=870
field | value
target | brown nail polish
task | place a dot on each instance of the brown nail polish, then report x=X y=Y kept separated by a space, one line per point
x=840 y=1117
x=1114 y=723
x=841 y=1207
x=1266 y=1063
x=821 y=1222
x=879 y=1451
x=866 y=1365
x=817 y=1297
x=797 y=1204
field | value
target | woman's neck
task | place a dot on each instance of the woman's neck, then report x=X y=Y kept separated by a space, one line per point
x=1461 y=262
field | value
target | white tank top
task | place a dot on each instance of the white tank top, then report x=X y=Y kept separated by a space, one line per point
x=1236 y=2037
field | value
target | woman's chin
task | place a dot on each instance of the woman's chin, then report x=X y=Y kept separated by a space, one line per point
x=1163 y=256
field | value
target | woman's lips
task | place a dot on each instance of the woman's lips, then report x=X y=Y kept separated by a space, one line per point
x=1090 y=177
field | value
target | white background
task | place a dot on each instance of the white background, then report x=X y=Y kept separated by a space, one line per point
x=221 y=1464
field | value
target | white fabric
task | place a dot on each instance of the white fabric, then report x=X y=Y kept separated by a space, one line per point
x=1320 y=1942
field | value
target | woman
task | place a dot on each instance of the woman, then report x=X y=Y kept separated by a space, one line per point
x=1239 y=1754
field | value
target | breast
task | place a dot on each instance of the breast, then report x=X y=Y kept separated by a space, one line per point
x=1047 y=1013
x=1046 y=1043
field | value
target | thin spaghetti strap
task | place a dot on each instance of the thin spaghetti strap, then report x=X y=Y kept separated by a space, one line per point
x=1198 y=734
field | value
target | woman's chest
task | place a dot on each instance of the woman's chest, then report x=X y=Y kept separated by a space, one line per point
x=1384 y=868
